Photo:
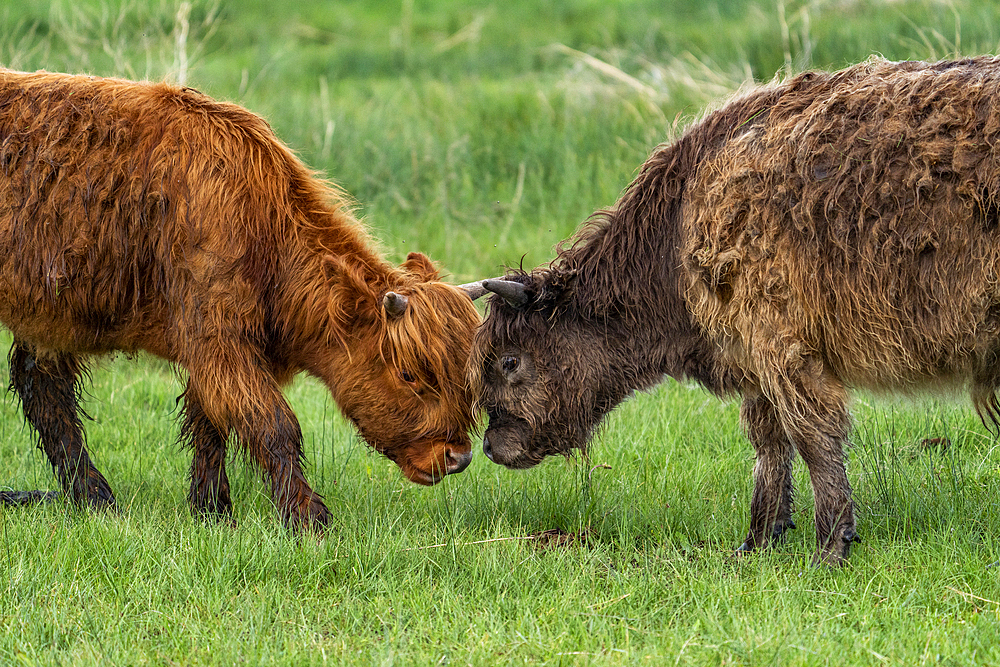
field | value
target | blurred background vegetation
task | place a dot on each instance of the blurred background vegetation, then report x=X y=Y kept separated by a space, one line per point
x=480 y=132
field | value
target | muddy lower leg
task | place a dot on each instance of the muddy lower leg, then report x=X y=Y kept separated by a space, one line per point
x=277 y=448
x=249 y=401
x=834 y=513
x=209 y=492
x=771 y=505
x=47 y=388
x=816 y=418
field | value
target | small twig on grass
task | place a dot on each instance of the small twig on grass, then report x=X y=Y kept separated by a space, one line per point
x=603 y=466
x=546 y=538
x=970 y=595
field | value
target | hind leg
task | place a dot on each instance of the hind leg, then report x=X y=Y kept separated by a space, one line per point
x=771 y=504
x=209 y=494
x=47 y=388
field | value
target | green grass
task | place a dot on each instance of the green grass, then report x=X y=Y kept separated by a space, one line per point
x=464 y=132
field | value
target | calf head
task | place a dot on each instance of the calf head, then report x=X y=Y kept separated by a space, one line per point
x=544 y=375
x=404 y=384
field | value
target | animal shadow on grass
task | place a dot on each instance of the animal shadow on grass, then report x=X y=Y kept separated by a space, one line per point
x=558 y=538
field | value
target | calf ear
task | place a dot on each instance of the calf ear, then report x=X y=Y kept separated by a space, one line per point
x=420 y=265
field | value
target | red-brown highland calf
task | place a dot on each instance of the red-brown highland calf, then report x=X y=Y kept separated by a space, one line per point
x=139 y=216
x=831 y=231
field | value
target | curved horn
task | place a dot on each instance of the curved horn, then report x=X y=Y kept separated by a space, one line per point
x=394 y=304
x=474 y=290
x=511 y=291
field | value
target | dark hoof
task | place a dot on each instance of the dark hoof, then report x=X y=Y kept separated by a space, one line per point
x=92 y=491
x=835 y=555
x=781 y=529
x=310 y=516
x=778 y=531
x=27 y=497
x=214 y=507
x=99 y=499
x=102 y=499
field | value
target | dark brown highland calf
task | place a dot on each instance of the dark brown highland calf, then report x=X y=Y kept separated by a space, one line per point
x=828 y=232
x=137 y=216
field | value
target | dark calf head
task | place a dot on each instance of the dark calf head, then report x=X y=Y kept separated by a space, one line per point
x=543 y=374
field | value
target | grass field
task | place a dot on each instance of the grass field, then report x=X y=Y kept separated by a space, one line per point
x=482 y=133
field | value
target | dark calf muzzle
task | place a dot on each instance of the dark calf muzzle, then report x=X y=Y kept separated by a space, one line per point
x=507 y=446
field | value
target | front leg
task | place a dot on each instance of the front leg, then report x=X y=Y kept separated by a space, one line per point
x=209 y=493
x=812 y=406
x=274 y=440
x=773 y=491
x=245 y=399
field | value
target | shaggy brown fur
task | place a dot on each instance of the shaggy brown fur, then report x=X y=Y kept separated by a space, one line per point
x=831 y=231
x=138 y=216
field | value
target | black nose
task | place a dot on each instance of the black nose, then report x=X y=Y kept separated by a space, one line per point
x=458 y=462
x=487 y=448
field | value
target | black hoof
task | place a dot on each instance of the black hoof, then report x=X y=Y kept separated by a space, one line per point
x=836 y=554
x=27 y=497
x=220 y=508
x=779 y=530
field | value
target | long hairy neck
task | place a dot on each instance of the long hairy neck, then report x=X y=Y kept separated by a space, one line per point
x=624 y=274
x=624 y=258
x=331 y=276
x=621 y=256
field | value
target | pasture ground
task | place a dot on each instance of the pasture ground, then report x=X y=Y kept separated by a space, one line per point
x=483 y=133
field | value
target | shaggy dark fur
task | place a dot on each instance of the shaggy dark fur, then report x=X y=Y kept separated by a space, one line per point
x=831 y=231
x=138 y=216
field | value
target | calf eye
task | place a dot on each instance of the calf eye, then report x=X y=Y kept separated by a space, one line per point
x=509 y=363
x=407 y=377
